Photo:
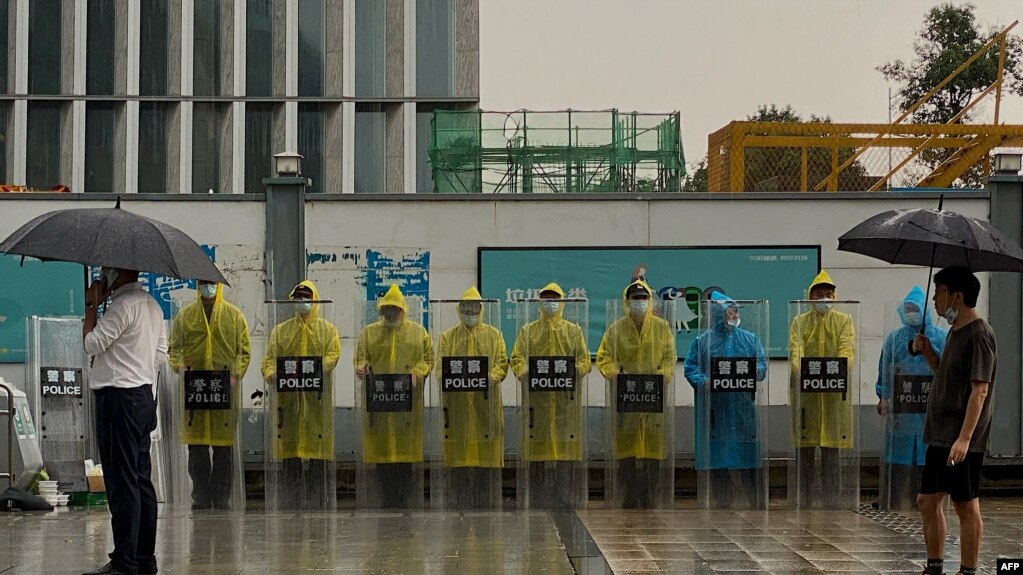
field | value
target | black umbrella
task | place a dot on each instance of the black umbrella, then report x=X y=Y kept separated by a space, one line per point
x=927 y=237
x=114 y=238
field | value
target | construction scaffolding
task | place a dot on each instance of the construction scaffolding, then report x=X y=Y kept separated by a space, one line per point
x=818 y=156
x=477 y=151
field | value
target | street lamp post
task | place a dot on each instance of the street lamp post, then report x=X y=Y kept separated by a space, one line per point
x=285 y=225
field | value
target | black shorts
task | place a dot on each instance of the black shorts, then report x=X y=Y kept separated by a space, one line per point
x=961 y=481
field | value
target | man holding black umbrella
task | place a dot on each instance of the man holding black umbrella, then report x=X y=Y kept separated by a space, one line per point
x=958 y=420
x=127 y=343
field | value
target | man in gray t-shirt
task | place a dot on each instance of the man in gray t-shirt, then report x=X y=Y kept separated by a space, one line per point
x=958 y=419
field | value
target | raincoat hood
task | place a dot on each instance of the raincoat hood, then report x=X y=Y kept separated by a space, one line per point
x=561 y=295
x=216 y=299
x=393 y=297
x=473 y=294
x=720 y=304
x=822 y=279
x=916 y=297
x=649 y=291
x=315 y=311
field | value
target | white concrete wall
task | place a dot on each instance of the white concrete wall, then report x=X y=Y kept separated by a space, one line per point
x=453 y=228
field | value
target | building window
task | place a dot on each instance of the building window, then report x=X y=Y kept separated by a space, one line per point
x=44 y=138
x=311 y=47
x=5 y=114
x=206 y=57
x=207 y=140
x=370 y=49
x=101 y=46
x=424 y=174
x=153 y=48
x=44 y=46
x=435 y=48
x=154 y=118
x=311 y=144
x=100 y=130
x=4 y=52
x=370 y=149
x=259 y=48
x=259 y=120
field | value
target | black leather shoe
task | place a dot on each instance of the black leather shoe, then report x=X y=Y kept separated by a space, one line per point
x=109 y=569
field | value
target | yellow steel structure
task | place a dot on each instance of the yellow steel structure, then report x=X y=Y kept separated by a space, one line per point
x=787 y=156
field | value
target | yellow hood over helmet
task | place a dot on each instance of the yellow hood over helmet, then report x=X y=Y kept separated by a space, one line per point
x=561 y=295
x=822 y=279
x=393 y=297
x=650 y=293
x=470 y=295
x=315 y=311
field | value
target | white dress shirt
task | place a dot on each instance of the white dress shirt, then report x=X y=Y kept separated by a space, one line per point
x=129 y=341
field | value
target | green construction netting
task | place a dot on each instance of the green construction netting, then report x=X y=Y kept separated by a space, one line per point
x=477 y=151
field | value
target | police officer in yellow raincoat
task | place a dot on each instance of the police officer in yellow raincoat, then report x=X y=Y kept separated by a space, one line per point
x=638 y=343
x=393 y=441
x=556 y=418
x=210 y=334
x=473 y=440
x=821 y=420
x=305 y=420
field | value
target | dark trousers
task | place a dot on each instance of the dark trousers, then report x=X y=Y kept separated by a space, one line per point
x=305 y=484
x=554 y=485
x=124 y=419
x=212 y=477
x=727 y=483
x=397 y=483
x=473 y=487
x=830 y=477
x=639 y=482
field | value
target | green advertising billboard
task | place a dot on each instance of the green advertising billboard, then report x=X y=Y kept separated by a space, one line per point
x=35 y=287
x=685 y=274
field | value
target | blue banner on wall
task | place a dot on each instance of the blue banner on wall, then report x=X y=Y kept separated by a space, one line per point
x=684 y=274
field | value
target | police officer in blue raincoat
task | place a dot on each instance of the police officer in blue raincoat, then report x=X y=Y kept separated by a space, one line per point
x=731 y=453
x=904 y=447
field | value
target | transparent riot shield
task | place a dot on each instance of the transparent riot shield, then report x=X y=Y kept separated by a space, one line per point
x=466 y=441
x=824 y=393
x=393 y=362
x=59 y=396
x=298 y=369
x=637 y=358
x=902 y=387
x=550 y=360
x=208 y=356
x=727 y=366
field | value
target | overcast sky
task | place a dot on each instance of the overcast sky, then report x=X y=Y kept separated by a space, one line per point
x=714 y=61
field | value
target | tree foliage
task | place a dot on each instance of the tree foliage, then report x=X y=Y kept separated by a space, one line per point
x=950 y=35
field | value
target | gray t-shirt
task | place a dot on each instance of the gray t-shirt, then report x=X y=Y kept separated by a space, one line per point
x=970 y=355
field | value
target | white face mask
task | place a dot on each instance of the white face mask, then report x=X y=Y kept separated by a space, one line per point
x=913 y=318
x=469 y=320
x=822 y=305
x=208 y=291
x=551 y=307
x=304 y=306
x=733 y=323
x=638 y=306
x=951 y=313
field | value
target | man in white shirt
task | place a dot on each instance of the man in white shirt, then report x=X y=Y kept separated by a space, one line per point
x=128 y=343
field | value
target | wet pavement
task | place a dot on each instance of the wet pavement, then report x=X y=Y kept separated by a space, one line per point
x=596 y=541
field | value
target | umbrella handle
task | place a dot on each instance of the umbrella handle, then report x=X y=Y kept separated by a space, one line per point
x=927 y=294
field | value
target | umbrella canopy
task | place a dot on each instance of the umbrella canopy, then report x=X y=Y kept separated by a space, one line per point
x=929 y=237
x=114 y=238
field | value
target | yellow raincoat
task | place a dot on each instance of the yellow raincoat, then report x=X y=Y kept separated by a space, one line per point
x=221 y=342
x=304 y=421
x=826 y=417
x=555 y=418
x=473 y=425
x=395 y=437
x=650 y=349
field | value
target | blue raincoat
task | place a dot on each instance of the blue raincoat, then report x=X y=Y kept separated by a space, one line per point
x=904 y=443
x=734 y=437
